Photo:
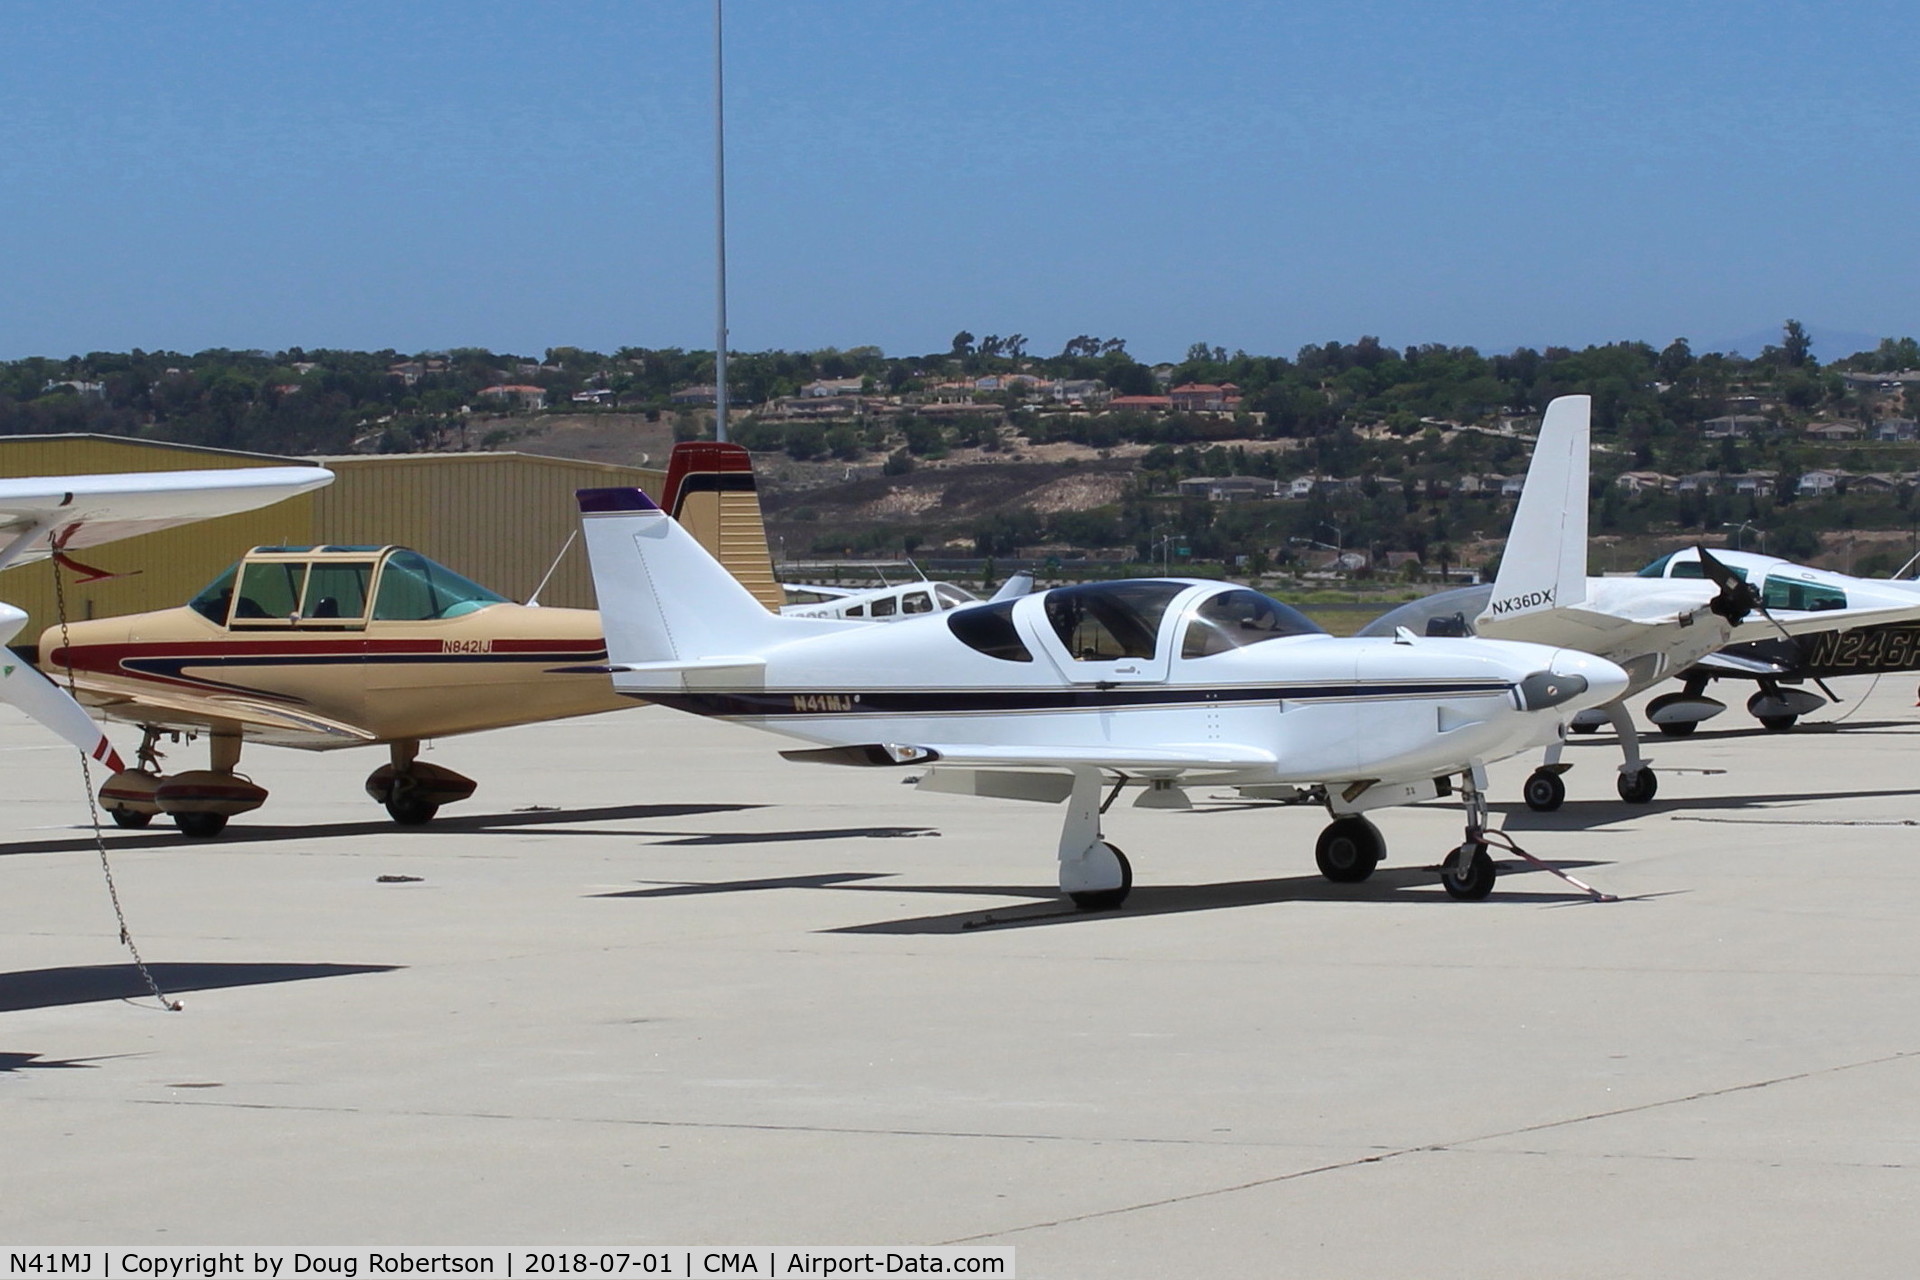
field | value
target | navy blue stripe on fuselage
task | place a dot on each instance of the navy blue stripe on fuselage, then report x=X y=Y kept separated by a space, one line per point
x=174 y=668
x=771 y=705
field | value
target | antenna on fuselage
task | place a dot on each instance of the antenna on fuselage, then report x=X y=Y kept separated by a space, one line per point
x=533 y=601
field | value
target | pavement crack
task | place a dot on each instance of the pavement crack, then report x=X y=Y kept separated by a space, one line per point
x=1435 y=1147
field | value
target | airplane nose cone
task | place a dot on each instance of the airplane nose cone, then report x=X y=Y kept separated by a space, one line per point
x=1572 y=677
x=1604 y=680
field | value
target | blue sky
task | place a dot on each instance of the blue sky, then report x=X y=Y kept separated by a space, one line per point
x=1253 y=175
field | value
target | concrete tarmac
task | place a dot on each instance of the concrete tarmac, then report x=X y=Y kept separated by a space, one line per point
x=655 y=985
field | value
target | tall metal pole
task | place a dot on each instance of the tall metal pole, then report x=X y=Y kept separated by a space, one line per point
x=720 y=227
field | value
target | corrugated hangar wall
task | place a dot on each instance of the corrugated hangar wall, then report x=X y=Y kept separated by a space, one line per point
x=498 y=518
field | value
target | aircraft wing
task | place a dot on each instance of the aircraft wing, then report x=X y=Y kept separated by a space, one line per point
x=1211 y=756
x=41 y=515
x=1798 y=622
x=1584 y=627
x=258 y=720
x=1733 y=664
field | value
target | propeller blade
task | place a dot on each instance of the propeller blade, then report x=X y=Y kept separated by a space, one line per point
x=1737 y=597
x=53 y=707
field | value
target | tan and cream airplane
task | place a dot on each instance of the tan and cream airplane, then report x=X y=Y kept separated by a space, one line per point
x=335 y=646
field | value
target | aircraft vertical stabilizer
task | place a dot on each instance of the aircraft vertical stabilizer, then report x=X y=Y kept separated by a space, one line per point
x=663 y=598
x=1545 y=563
x=711 y=491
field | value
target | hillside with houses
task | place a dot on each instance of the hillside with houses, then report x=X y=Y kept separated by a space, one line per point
x=1346 y=459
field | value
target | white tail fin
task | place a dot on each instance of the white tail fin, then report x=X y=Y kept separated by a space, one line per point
x=1545 y=563
x=663 y=599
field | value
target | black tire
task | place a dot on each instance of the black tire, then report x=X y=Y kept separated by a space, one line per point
x=411 y=810
x=200 y=826
x=1348 y=850
x=1107 y=899
x=1778 y=724
x=129 y=818
x=1476 y=883
x=1678 y=729
x=1544 y=791
x=1583 y=728
x=1638 y=788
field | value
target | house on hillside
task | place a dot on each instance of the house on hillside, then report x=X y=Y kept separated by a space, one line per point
x=1230 y=488
x=1896 y=430
x=523 y=395
x=1642 y=481
x=1701 y=482
x=1149 y=404
x=1733 y=426
x=696 y=397
x=1078 y=390
x=1816 y=483
x=1835 y=431
x=833 y=387
x=1205 y=397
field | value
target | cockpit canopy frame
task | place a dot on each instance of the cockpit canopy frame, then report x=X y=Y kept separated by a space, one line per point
x=336 y=588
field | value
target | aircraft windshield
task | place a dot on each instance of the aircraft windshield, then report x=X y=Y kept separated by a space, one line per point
x=1107 y=621
x=415 y=589
x=214 y=598
x=1236 y=619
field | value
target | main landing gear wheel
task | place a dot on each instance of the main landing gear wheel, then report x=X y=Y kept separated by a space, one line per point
x=1778 y=724
x=1638 y=787
x=1544 y=791
x=1468 y=874
x=411 y=810
x=1678 y=729
x=1107 y=899
x=200 y=826
x=1348 y=850
x=129 y=817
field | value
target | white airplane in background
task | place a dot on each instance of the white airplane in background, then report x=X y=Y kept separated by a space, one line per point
x=44 y=517
x=1145 y=682
x=1652 y=627
x=890 y=604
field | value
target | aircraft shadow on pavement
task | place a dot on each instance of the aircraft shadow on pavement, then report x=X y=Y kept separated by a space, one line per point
x=1579 y=815
x=88 y=983
x=1401 y=884
x=676 y=889
x=1390 y=884
x=35 y=1062
x=244 y=833
x=702 y=838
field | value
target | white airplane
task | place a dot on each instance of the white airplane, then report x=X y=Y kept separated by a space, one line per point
x=50 y=517
x=890 y=604
x=1652 y=627
x=1147 y=682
